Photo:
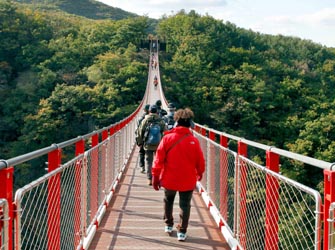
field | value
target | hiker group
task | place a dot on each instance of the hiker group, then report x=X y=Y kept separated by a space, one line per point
x=171 y=157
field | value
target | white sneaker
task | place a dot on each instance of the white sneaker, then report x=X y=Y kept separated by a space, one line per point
x=168 y=229
x=181 y=236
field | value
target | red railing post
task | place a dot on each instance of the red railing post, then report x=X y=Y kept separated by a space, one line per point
x=242 y=151
x=104 y=135
x=224 y=178
x=117 y=127
x=329 y=197
x=94 y=175
x=80 y=149
x=196 y=128
x=271 y=203
x=203 y=131
x=112 y=131
x=6 y=192
x=54 y=201
x=211 y=135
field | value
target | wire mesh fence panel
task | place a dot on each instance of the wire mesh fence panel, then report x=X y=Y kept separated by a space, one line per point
x=219 y=177
x=70 y=207
x=58 y=210
x=47 y=211
x=276 y=211
x=92 y=183
x=204 y=146
x=112 y=162
x=4 y=224
x=33 y=206
x=251 y=207
x=331 y=225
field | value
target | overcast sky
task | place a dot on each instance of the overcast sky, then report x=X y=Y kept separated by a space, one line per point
x=307 y=19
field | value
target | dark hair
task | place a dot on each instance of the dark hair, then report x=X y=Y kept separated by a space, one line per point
x=183 y=117
x=146 y=107
x=159 y=103
x=153 y=109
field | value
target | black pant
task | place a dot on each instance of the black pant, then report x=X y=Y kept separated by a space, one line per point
x=149 y=159
x=184 y=205
x=142 y=156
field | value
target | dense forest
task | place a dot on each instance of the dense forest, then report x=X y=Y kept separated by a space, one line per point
x=64 y=74
x=85 y=8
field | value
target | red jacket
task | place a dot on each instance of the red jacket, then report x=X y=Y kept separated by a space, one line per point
x=178 y=163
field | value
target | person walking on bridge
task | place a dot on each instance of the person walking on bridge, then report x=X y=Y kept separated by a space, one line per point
x=137 y=135
x=161 y=112
x=169 y=117
x=179 y=163
x=151 y=132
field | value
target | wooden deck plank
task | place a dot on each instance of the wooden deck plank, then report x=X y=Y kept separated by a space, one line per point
x=134 y=219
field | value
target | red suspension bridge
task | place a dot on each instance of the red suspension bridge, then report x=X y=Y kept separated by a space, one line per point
x=100 y=200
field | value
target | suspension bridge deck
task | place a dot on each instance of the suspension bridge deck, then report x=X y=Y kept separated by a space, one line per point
x=134 y=219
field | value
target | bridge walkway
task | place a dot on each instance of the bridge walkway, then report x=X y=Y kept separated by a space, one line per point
x=134 y=219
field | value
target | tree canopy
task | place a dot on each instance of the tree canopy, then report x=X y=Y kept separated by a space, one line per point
x=275 y=90
x=62 y=75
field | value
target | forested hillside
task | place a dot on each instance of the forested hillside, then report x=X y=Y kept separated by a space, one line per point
x=63 y=75
x=86 y=8
x=276 y=90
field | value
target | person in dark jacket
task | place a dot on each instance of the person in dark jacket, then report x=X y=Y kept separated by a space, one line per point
x=169 y=117
x=150 y=150
x=179 y=163
x=161 y=112
x=141 y=150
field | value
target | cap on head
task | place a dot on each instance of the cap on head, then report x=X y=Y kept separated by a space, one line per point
x=146 y=107
x=153 y=109
x=171 y=106
x=159 y=103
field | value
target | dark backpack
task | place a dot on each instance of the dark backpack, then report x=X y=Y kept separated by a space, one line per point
x=153 y=134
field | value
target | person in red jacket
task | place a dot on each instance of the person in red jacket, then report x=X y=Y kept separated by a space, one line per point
x=179 y=163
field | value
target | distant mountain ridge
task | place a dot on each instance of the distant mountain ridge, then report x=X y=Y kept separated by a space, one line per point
x=86 y=8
